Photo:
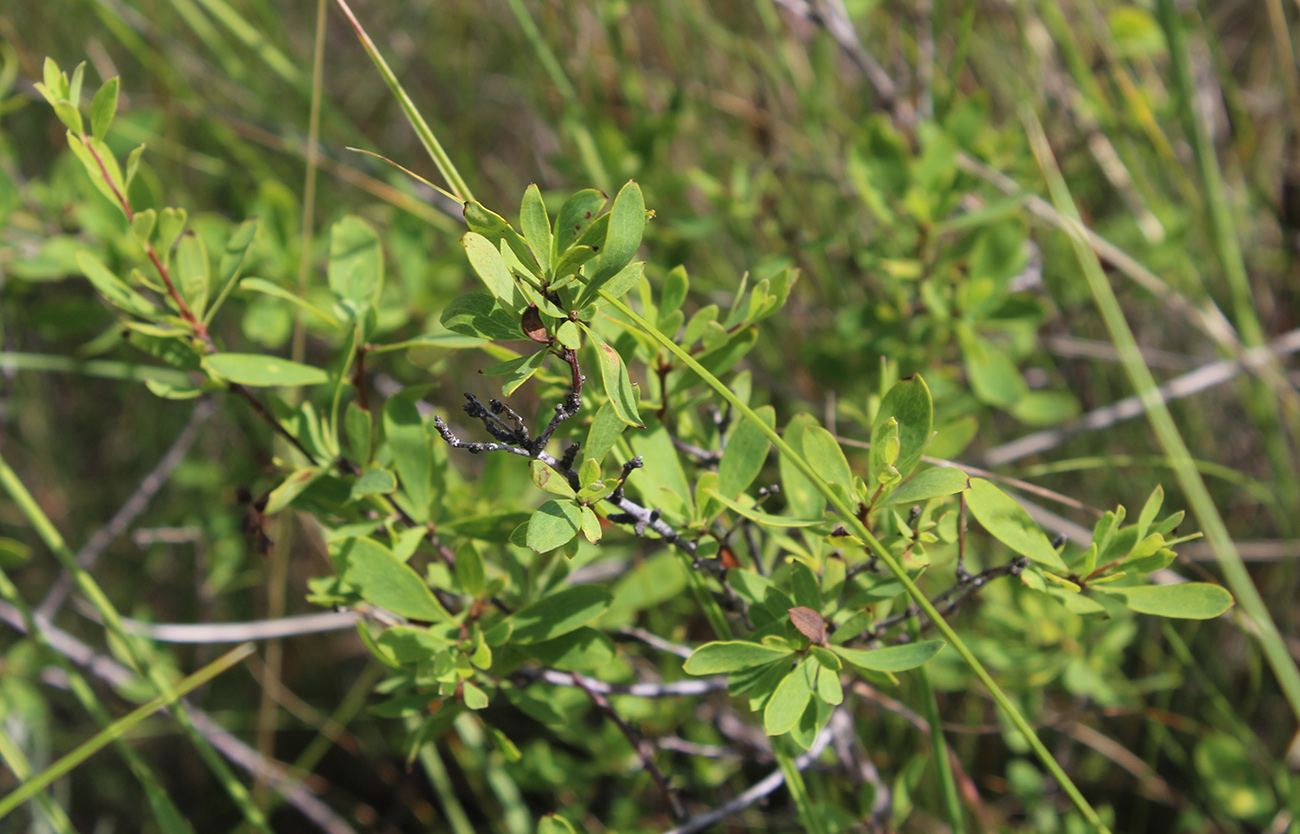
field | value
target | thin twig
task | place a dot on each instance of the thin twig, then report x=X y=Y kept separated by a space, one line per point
x=647 y=761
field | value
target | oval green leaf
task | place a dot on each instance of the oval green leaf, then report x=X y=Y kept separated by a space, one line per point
x=731 y=656
x=553 y=524
x=559 y=614
x=261 y=371
x=356 y=269
x=932 y=483
x=892 y=659
x=788 y=702
x=1009 y=523
x=824 y=455
x=1188 y=601
x=384 y=580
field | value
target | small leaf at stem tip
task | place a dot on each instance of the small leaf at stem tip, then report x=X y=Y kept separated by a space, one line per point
x=810 y=623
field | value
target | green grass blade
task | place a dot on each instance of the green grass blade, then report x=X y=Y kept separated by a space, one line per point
x=12 y=755
x=119 y=728
x=947 y=782
x=431 y=144
x=860 y=530
x=794 y=783
x=1189 y=478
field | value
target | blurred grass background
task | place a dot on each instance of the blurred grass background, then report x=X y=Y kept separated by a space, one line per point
x=757 y=132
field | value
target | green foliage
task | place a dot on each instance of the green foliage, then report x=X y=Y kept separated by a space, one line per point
x=651 y=505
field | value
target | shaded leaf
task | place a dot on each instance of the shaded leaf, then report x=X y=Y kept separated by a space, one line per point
x=553 y=524
x=384 y=580
x=559 y=614
x=893 y=658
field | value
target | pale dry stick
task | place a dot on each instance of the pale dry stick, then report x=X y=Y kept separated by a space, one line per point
x=130 y=509
x=1206 y=376
x=702 y=686
x=214 y=633
x=758 y=790
x=230 y=746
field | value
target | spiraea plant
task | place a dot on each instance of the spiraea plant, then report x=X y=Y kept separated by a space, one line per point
x=617 y=537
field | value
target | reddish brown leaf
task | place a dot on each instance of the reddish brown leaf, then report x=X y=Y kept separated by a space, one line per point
x=809 y=623
x=533 y=327
x=727 y=558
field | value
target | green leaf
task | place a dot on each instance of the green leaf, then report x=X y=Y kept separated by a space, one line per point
x=569 y=335
x=801 y=497
x=469 y=570
x=544 y=477
x=618 y=386
x=910 y=404
x=359 y=428
x=488 y=264
x=1187 y=601
x=617 y=286
x=1149 y=512
x=477 y=314
x=676 y=284
x=746 y=452
x=590 y=525
x=171 y=225
x=993 y=376
x=559 y=614
x=373 y=482
x=384 y=580
x=575 y=217
x=495 y=228
x=553 y=524
x=103 y=108
x=606 y=428
x=626 y=225
x=731 y=656
x=825 y=456
x=233 y=257
x=803 y=584
x=411 y=447
x=885 y=447
x=582 y=650
x=194 y=272
x=932 y=483
x=1009 y=523
x=517 y=370
x=475 y=698
x=791 y=698
x=356 y=267
x=661 y=477
x=536 y=226
x=268 y=288
x=261 y=371
x=893 y=658
x=113 y=288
